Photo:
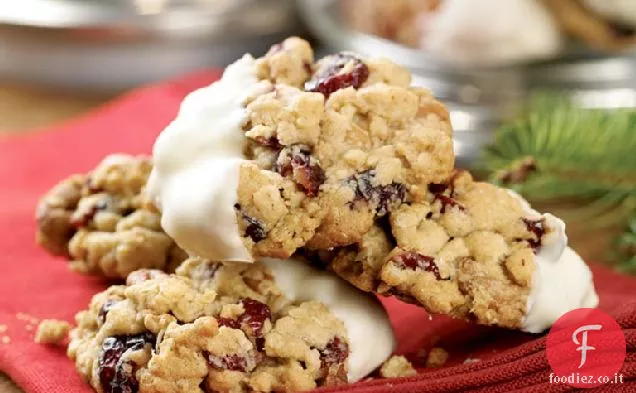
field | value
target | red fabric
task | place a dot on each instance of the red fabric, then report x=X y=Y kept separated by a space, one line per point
x=34 y=283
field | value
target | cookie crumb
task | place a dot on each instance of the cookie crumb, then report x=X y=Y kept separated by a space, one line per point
x=397 y=366
x=3 y=328
x=29 y=327
x=437 y=357
x=22 y=316
x=52 y=331
x=471 y=360
x=5 y=339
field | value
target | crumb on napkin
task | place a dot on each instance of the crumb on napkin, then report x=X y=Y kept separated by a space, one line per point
x=52 y=331
x=437 y=357
x=397 y=366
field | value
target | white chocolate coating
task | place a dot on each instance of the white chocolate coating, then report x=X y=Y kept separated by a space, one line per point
x=562 y=281
x=371 y=339
x=196 y=166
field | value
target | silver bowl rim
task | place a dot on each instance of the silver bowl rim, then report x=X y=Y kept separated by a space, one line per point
x=318 y=14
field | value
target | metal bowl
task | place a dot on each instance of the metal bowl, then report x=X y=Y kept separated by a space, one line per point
x=116 y=44
x=480 y=99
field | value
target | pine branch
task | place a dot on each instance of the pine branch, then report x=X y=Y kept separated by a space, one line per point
x=558 y=152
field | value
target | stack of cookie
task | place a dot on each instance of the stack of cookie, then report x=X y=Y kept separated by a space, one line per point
x=276 y=203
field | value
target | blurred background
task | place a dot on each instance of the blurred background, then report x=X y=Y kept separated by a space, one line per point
x=542 y=92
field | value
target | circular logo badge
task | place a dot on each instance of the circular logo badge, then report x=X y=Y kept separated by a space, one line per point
x=586 y=349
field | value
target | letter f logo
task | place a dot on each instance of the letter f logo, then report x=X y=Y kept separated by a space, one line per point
x=583 y=344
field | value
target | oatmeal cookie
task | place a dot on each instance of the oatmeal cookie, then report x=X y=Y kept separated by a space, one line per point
x=469 y=250
x=101 y=223
x=290 y=152
x=210 y=327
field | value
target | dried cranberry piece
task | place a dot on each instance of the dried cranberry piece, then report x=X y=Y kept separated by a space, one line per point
x=297 y=161
x=331 y=75
x=82 y=220
x=382 y=197
x=253 y=227
x=104 y=309
x=271 y=142
x=447 y=188
x=436 y=188
x=228 y=362
x=228 y=322
x=260 y=344
x=115 y=374
x=444 y=192
x=536 y=227
x=448 y=202
x=414 y=261
x=335 y=352
x=254 y=317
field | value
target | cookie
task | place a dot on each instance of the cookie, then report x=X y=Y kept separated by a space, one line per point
x=101 y=222
x=474 y=251
x=395 y=20
x=230 y=327
x=587 y=21
x=286 y=152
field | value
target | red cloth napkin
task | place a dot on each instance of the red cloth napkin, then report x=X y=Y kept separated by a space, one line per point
x=34 y=285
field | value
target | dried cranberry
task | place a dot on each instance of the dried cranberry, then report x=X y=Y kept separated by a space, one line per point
x=254 y=317
x=228 y=362
x=331 y=75
x=382 y=197
x=104 y=309
x=253 y=227
x=536 y=227
x=117 y=375
x=260 y=344
x=448 y=201
x=447 y=188
x=335 y=352
x=228 y=322
x=271 y=142
x=297 y=161
x=435 y=188
x=414 y=261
